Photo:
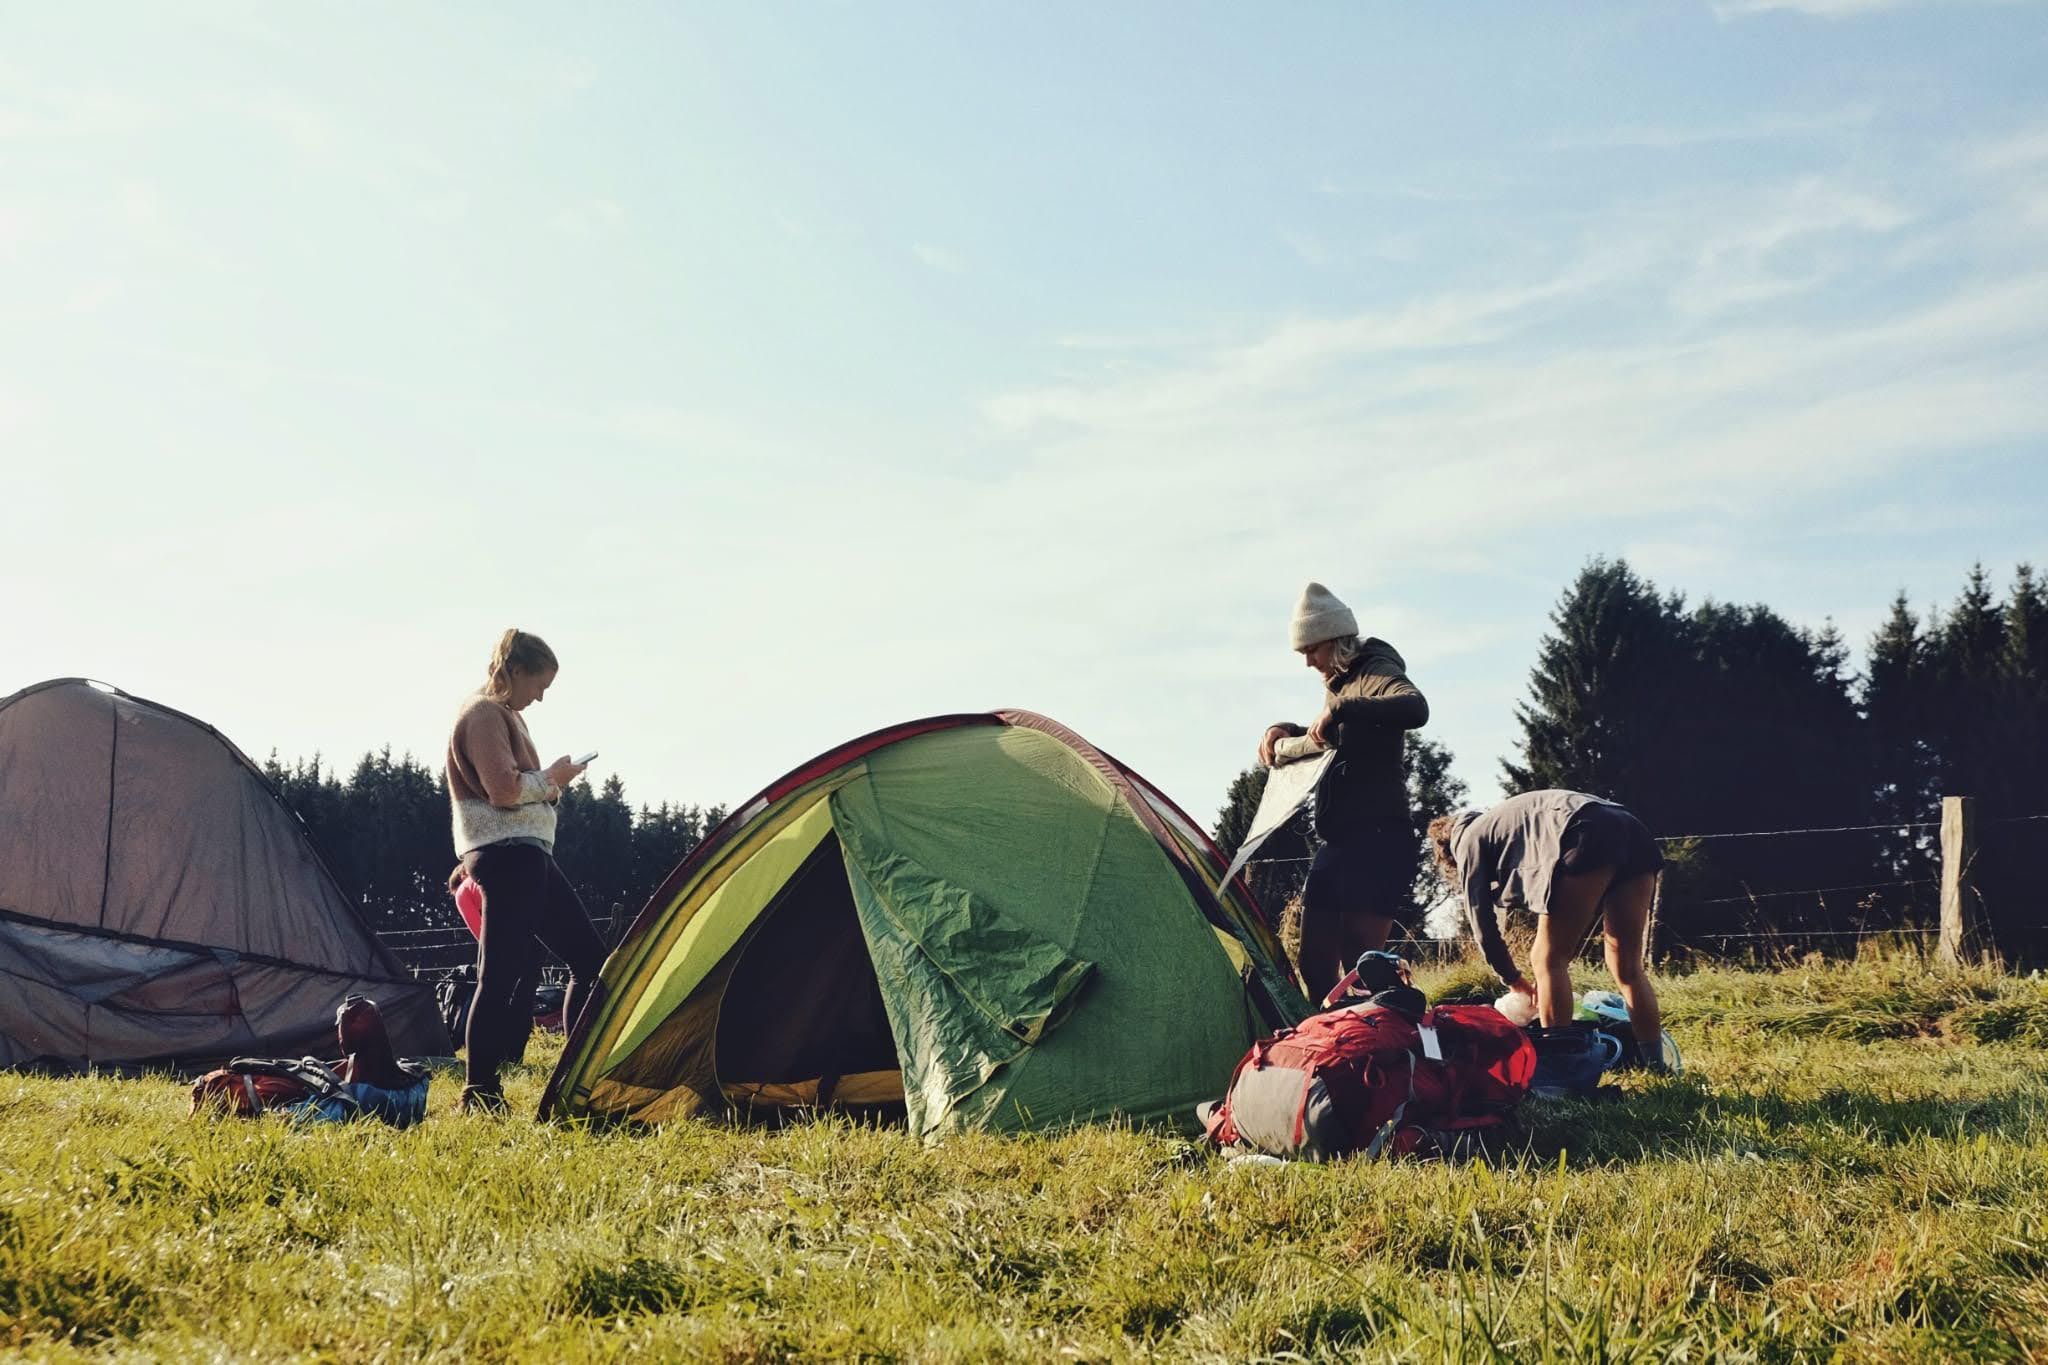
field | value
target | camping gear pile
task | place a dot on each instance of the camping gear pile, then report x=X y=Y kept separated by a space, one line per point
x=369 y=1081
x=1382 y=1073
x=1573 y=1058
x=160 y=906
x=1607 y=1012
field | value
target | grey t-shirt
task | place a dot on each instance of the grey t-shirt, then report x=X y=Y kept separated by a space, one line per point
x=1506 y=860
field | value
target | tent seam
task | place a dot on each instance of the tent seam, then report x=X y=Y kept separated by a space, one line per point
x=201 y=949
x=113 y=769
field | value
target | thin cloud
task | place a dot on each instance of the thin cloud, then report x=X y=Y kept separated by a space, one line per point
x=1784 y=242
x=590 y=218
x=1289 y=355
x=1475 y=190
x=1765 y=128
x=2022 y=150
x=1310 y=249
x=1474 y=400
x=31 y=110
x=1165 y=339
x=1725 y=10
x=938 y=258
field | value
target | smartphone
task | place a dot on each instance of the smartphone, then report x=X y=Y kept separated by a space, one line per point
x=581 y=760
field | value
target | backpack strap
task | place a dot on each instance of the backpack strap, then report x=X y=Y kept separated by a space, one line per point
x=1219 y=1129
x=1380 y=1139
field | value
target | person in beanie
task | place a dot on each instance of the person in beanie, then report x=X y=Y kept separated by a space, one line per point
x=1569 y=859
x=1362 y=877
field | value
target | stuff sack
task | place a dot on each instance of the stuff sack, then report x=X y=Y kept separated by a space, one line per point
x=1378 y=1081
x=453 y=998
x=547 y=1008
x=246 y=1087
x=469 y=903
x=401 y=1108
x=249 y=1086
x=368 y=1081
x=1571 y=1058
x=309 y=1091
x=1608 y=1012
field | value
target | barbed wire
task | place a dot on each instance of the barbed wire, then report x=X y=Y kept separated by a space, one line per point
x=443 y=938
x=1784 y=934
x=1893 y=828
x=1815 y=891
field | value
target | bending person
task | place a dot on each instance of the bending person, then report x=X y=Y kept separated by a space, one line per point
x=1569 y=859
x=1363 y=876
x=504 y=816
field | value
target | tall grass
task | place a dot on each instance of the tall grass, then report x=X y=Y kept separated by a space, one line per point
x=1854 y=1165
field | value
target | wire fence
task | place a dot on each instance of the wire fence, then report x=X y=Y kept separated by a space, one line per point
x=441 y=951
x=1898 y=908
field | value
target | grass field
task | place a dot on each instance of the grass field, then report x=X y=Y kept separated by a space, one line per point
x=1855 y=1166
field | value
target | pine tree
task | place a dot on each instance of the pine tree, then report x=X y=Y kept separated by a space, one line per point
x=1599 y=694
x=1970 y=646
x=2026 y=630
x=1724 y=718
x=1895 y=716
x=1432 y=791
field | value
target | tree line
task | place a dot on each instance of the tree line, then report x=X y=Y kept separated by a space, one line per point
x=1705 y=719
x=384 y=833
x=1718 y=719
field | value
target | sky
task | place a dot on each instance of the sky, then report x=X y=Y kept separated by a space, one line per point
x=796 y=369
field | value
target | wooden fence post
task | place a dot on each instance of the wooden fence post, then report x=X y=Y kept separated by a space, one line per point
x=1963 y=938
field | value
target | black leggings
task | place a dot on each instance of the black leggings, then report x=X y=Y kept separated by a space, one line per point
x=528 y=904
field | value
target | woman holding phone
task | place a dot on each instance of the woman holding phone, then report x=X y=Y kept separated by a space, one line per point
x=504 y=819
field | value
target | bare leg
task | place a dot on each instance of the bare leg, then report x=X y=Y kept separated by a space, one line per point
x=1364 y=932
x=1626 y=910
x=1331 y=942
x=1560 y=934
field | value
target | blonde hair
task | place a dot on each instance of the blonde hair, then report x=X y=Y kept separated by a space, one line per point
x=1346 y=653
x=519 y=652
x=1443 y=832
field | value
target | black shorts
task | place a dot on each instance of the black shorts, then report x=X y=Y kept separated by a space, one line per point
x=1371 y=870
x=1601 y=836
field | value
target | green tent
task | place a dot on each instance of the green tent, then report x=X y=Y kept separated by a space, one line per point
x=975 y=921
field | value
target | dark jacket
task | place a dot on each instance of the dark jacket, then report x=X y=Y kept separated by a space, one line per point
x=1373 y=705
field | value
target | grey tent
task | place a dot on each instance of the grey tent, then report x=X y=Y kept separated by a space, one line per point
x=160 y=905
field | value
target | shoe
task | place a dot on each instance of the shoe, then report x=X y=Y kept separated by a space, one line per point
x=479 y=1100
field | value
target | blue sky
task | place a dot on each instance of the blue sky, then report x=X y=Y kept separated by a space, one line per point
x=799 y=369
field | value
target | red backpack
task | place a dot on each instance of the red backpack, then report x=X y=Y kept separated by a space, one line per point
x=1372 y=1079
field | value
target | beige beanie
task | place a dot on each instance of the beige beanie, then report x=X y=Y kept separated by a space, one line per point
x=1319 y=616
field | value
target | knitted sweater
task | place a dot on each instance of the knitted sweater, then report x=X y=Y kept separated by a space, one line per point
x=495 y=782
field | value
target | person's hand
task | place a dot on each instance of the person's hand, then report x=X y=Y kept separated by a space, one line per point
x=1522 y=985
x=1274 y=734
x=563 y=771
x=1323 y=732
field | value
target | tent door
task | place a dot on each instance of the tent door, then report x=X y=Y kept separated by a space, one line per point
x=801 y=1024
